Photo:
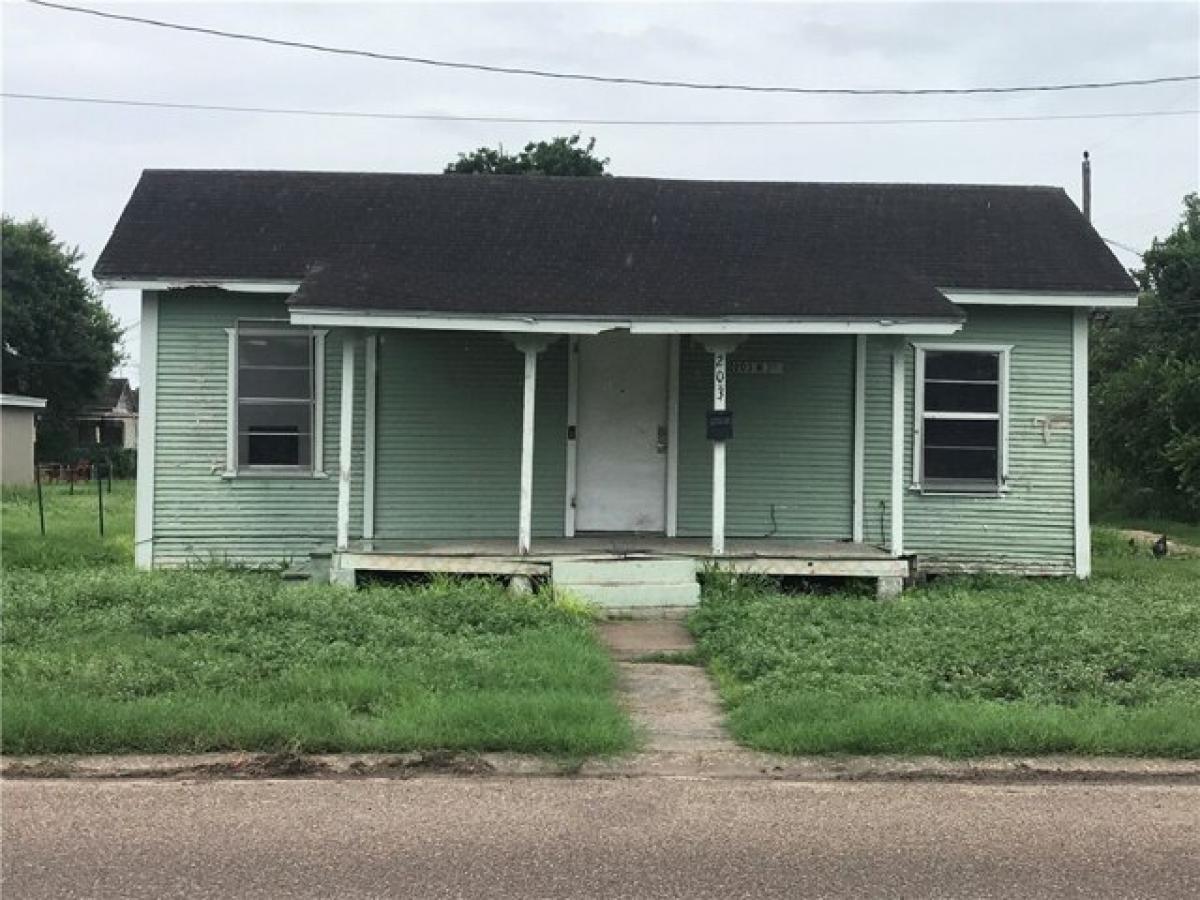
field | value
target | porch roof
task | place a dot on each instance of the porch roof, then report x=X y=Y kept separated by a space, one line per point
x=606 y=247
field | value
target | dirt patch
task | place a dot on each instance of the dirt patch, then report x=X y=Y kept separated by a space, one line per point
x=628 y=640
x=434 y=763
x=267 y=765
x=1144 y=539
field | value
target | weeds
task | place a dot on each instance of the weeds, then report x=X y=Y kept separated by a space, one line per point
x=967 y=666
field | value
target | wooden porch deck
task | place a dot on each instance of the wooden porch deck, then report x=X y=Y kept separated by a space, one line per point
x=499 y=556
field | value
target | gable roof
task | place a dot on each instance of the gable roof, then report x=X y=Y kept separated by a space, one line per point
x=115 y=391
x=607 y=246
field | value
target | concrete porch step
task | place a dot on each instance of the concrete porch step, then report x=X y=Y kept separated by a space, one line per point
x=629 y=583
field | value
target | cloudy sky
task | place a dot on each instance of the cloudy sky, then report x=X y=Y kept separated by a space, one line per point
x=74 y=165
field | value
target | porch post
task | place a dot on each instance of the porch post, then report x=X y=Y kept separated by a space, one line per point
x=720 y=347
x=530 y=345
x=370 y=437
x=345 y=441
x=897 y=522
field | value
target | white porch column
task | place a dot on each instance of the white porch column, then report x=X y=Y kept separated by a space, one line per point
x=530 y=345
x=720 y=346
x=345 y=440
x=370 y=436
x=857 y=503
x=897 y=522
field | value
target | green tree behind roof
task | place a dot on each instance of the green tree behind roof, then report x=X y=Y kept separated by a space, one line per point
x=560 y=156
x=59 y=340
x=1146 y=379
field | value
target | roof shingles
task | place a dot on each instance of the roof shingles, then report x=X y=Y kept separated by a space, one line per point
x=607 y=246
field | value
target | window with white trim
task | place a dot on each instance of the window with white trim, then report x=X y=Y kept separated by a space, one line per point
x=961 y=418
x=275 y=402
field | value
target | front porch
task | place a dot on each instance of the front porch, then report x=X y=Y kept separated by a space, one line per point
x=566 y=561
x=641 y=478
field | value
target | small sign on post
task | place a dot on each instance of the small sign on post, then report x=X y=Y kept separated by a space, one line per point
x=720 y=424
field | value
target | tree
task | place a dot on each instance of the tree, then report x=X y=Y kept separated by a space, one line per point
x=59 y=341
x=560 y=156
x=1146 y=380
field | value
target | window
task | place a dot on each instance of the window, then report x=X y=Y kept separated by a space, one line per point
x=275 y=404
x=961 y=427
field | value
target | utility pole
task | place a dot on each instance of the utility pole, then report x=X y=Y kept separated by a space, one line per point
x=1087 y=187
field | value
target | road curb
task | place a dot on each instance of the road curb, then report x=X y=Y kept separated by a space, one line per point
x=721 y=765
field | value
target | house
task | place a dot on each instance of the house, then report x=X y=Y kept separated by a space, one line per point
x=112 y=420
x=611 y=381
x=18 y=431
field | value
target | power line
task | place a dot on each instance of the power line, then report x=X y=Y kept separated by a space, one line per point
x=610 y=79
x=567 y=120
x=1124 y=247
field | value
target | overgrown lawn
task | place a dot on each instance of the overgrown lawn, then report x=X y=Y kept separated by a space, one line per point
x=967 y=667
x=101 y=658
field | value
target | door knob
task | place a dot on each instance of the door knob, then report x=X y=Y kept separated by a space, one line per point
x=661 y=444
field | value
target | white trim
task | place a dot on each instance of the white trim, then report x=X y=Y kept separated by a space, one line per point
x=672 y=517
x=1079 y=428
x=370 y=403
x=172 y=284
x=345 y=441
x=567 y=325
x=318 y=447
x=231 y=369
x=572 y=434
x=720 y=391
x=528 y=405
x=1004 y=351
x=143 y=529
x=897 y=522
x=860 y=438
x=1039 y=298
x=316 y=468
x=23 y=401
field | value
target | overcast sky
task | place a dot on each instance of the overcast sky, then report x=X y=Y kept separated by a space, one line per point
x=74 y=165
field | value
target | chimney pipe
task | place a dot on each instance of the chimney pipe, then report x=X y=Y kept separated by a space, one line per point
x=1087 y=187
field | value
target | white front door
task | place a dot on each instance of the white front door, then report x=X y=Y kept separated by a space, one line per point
x=621 y=461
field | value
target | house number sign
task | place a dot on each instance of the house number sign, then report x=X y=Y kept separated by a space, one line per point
x=756 y=367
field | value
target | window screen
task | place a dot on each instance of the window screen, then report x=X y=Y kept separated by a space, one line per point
x=275 y=402
x=961 y=419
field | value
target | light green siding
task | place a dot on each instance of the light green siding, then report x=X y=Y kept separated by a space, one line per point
x=789 y=465
x=449 y=435
x=199 y=516
x=1028 y=529
x=449 y=446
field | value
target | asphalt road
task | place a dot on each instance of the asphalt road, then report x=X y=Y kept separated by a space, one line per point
x=561 y=837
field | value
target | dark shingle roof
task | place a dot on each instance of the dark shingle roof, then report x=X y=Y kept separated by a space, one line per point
x=607 y=246
x=110 y=396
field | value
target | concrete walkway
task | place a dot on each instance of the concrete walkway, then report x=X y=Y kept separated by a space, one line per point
x=675 y=707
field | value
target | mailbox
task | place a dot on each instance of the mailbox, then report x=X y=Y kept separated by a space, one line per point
x=720 y=424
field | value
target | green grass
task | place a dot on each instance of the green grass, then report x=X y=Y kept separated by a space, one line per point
x=99 y=657
x=967 y=667
x=72 y=528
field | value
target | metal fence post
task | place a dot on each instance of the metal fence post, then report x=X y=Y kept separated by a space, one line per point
x=37 y=479
x=100 y=500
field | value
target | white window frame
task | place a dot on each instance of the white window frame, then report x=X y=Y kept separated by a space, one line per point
x=274 y=328
x=1004 y=352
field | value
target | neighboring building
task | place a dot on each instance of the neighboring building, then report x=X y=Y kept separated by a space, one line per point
x=112 y=420
x=19 y=431
x=506 y=374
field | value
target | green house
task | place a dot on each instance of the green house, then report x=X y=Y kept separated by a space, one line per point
x=611 y=381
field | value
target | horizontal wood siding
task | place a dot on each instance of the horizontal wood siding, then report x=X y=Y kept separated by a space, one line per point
x=199 y=516
x=1030 y=529
x=449 y=447
x=789 y=465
